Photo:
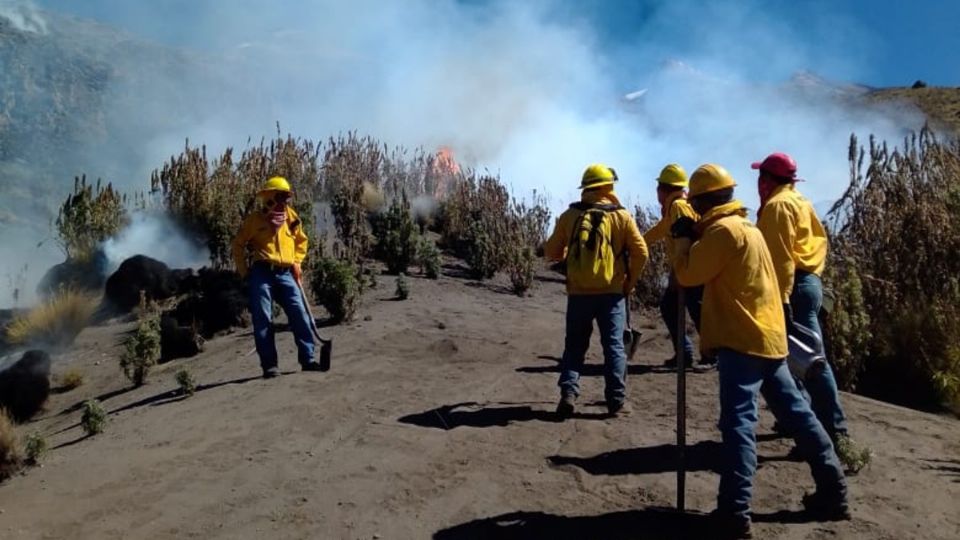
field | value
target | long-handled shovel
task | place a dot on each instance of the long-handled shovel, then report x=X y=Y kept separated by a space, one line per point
x=681 y=401
x=326 y=345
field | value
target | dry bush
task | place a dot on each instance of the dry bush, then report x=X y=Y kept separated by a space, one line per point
x=9 y=451
x=351 y=168
x=88 y=217
x=55 y=322
x=212 y=197
x=653 y=278
x=896 y=273
x=69 y=380
x=526 y=231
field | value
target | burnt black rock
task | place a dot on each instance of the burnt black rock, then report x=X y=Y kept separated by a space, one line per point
x=25 y=386
x=218 y=302
x=178 y=341
x=141 y=273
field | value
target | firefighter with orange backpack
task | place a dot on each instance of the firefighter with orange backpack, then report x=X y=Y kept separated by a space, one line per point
x=604 y=254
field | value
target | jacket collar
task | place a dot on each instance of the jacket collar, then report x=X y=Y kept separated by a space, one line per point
x=670 y=199
x=732 y=208
x=600 y=196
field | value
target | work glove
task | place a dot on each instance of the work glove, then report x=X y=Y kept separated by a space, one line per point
x=297 y=272
x=683 y=227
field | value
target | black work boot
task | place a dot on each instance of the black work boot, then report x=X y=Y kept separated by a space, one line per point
x=311 y=366
x=826 y=507
x=730 y=526
x=567 y=405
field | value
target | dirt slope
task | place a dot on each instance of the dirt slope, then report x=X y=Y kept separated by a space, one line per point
x=435 y=422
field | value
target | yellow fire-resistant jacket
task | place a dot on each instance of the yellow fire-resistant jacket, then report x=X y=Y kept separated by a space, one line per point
x=741 y=301
x=285 y=246
x=624 y=235
x=674 y=208
x=794 y=235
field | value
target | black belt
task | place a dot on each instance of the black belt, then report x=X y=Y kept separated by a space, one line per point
x=273 y=267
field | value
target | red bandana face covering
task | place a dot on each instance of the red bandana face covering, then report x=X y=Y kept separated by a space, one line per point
x=277 y=217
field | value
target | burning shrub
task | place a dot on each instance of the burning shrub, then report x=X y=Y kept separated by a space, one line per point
x=653 y=279
x=394 y=232
x=25 y=386
x=94 y=417
x=429 y=258
x=9 y=452
x=335 y=286
x=88 y=217
x=35 y=447
x=141 y=349
x=186 y=382
x=56 y=322
x=896 y=234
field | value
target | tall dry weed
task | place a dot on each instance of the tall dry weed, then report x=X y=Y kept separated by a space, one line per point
x=896 y=274
x=56 y=322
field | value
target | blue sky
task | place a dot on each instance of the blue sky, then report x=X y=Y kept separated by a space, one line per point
x=874 y=42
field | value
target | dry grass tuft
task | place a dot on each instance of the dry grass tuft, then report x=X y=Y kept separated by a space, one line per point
x=69 y=380
x=55 y=322
x=9 y=452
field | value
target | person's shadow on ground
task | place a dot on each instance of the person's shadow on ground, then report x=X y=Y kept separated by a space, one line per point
x=471 y=414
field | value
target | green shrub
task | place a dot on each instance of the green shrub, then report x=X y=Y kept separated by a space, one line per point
x=521 y=267
x=396 y=241
x=35 y=447
x=429 y=258
x=186 y=382
x=335 y=286
x=483 y=253
x=403 y=287
x=94 y=417
x=89 y=216
x=141 y=350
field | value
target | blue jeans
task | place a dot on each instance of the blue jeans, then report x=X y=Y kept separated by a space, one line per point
x=609 y=310
x=805 y=302
x=693 y=296
x=268 y=284
x=741 y=376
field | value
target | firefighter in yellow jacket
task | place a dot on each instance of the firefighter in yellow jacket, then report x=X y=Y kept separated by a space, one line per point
x=672 y=196
x=604 y=254
x=742 y=322
x=269 y=250
x=798 y=246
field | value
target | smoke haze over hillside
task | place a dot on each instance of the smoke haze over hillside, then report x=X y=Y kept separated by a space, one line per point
x=533 y=91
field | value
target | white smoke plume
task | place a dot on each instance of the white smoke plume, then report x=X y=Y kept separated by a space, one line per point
x=532 y=90
x=158 y=237
x=23 y=15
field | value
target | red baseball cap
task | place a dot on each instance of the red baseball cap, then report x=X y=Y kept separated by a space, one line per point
x=777 y=164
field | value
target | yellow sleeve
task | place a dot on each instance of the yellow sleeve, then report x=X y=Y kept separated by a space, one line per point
x=300 y=241
x=706 y=259
x=556 y=247
x=778 y=226
x=636 y=248
x=239 y=246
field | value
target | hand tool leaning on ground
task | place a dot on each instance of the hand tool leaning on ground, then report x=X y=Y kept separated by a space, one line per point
x=682 y=228
x=326 y=345
x=631 y=337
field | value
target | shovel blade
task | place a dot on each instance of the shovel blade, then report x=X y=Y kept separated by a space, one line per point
x=326 y=349
x=631 y=341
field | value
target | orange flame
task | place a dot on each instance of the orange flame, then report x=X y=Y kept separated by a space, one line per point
x=443 y=170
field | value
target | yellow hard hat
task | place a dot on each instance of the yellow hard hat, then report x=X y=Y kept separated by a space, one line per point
x=673 y=175
x=710 y=177
x=277 y=183
x=597 y=175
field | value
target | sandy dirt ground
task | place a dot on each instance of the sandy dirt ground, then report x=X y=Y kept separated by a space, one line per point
x=436 y=422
